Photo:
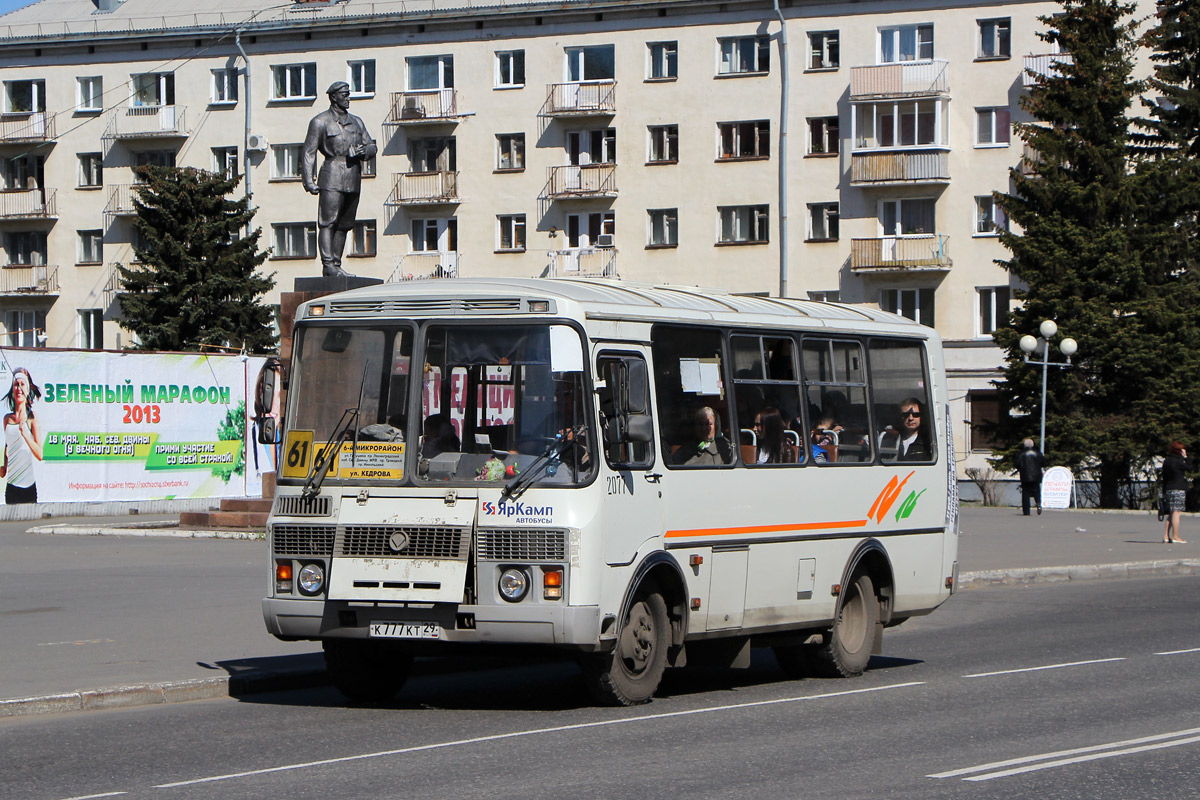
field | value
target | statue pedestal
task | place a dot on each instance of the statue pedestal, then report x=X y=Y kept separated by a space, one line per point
x=329 y=285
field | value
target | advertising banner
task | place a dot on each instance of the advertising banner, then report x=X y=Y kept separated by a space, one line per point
x=1056 y=488
x=87 y=426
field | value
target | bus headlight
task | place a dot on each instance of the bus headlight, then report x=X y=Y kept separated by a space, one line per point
x=514 y=584
x=311 y=578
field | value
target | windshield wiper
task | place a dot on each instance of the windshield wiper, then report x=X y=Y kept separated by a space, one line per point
x=547 y=462
x=347 y=427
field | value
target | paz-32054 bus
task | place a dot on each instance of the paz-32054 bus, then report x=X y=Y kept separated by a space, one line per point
x=641 y=475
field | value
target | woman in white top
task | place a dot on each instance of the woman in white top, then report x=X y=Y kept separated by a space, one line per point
x=22 y=440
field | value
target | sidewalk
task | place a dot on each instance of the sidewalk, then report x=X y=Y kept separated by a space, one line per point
x=106 y=643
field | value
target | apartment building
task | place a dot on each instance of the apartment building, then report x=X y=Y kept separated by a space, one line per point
x=643 y=139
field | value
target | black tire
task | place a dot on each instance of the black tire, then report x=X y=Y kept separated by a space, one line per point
x=630 y=673
x=845 y=650
x=366 y=671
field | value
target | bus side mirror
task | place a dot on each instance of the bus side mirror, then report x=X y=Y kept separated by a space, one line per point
x=639 y=428
x=636 y=387
x=266 y=431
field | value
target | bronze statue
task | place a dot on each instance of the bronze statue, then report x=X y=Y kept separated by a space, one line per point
x=344 y=141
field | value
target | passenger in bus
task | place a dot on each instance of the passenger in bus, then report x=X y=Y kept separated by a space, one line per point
x=913 y=444
x=773 y=447
x=824 y=438
x=711 y=449
x=438 y=436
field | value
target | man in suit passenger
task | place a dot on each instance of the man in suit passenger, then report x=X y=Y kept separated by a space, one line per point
x=344 y=141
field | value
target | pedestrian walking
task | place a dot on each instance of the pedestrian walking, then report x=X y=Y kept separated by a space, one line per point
x=1030 y=466
x=1174 y=489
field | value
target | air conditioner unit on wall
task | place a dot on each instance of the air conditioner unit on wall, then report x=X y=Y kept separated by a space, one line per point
x=604 y=240
x=256 y=142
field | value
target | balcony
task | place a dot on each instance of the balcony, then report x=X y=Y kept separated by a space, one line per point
x=586 y=262
x=581 y=182
x=148 y=122
x=892 y=168
x=907 y=79
x=28 y=204
x=418 y=266
x=426 y=107
x=22 y=279
x=1043 y=66
x=580 y=99
x=918 y=253
x=424 y=189
x=27 y=128
x=120 y=201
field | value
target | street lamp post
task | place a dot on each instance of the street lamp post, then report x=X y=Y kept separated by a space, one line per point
x=1068 y=347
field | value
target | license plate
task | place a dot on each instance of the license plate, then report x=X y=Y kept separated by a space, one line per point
x=405 y=630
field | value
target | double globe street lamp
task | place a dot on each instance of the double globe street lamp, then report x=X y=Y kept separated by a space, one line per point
x=1030 y=344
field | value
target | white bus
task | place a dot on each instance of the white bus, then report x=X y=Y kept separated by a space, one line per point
x=642 y=475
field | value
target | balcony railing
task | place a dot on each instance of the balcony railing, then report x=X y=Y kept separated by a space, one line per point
x=581 y=182
x=417 y=266
x=35 y=127
x=586 y=262
x=907 y=79
x=423 y=107
x=920 y=252
x=28 y=204
x=1045 y=66
x=424 y=189
x=22 y=279
x=120 y=201
x=147 y=122
x=580 y=99
x=880 y=169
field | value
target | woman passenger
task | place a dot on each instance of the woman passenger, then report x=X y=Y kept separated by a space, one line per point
x=772 y=443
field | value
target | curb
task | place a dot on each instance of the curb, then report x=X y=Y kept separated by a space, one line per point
x=1083 y=572
x=157 y=529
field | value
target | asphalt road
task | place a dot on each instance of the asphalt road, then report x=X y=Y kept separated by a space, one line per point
x=1079 y=690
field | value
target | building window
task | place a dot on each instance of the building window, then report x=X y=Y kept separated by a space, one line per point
x=743 y=224
x=91 y=170
x=224 y=86
x=90 y=329
x=294 y=81
x=915 y=304
x=664 y=61
x=511 y=232
x=361 y=77
x=91 y=247
x=225 y=161
x=664 y=144
x=295 y=240
x=151 y=158
x=993 y=309
x=591 y=63
x=154 y=89
x=368 y=167
x=908 y=216
x=89 y=94
x=983 y=411
x=995 y=38
x=427 y=73
x=744 y=139
x=822 y=222
x=510 y=151
x=363 y=243
x=992 y=127
x=25 y=328
x=744 y=55
x=823 y=50
x=990 y=219
x=22 y=172
x=823 y=136
x=829 y=296
x=285 y=162
x=510 y=69
x=905 y=43
x=24 y=97
x=898 y=124
x=664 y=227
x=25 y=248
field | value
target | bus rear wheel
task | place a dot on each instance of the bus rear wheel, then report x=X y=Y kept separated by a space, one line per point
x=846 y=649
x=366 y=671
x=629 y=674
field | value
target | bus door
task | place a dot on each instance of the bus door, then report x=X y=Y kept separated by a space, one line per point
x=631 y=476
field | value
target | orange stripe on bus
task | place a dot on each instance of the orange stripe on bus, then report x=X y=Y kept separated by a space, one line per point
x=799 y=526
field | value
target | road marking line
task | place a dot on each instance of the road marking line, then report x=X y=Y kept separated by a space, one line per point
x=1080 y=759
x=1061 y=753
x=1048 y=666
x=1178 y=652
x=95 y=796
x=532 y=732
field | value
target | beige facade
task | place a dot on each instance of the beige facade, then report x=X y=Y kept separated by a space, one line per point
x=641 y=140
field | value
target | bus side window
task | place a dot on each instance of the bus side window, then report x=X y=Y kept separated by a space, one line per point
x=692 y=407
x=767 y=396
x=615 y=371
x=900 y=390
x=835 y=388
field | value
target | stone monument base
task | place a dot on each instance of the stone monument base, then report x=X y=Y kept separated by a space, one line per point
x=331 y=284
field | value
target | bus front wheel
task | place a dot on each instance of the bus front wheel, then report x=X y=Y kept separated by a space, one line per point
x=630 y=673
x=366 y=671
x=845 y=649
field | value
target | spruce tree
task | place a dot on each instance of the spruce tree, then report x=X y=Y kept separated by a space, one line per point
x=1077 y=251
x=197 y=283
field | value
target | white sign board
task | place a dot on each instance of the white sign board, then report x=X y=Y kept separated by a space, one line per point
x=1056 y=488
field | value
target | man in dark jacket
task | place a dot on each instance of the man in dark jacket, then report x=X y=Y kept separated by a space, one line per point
x=1030 y=465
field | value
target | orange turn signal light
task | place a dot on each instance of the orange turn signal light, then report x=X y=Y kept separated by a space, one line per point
x=552 y=583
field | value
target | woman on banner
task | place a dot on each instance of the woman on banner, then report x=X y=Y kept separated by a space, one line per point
x=22 y=440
